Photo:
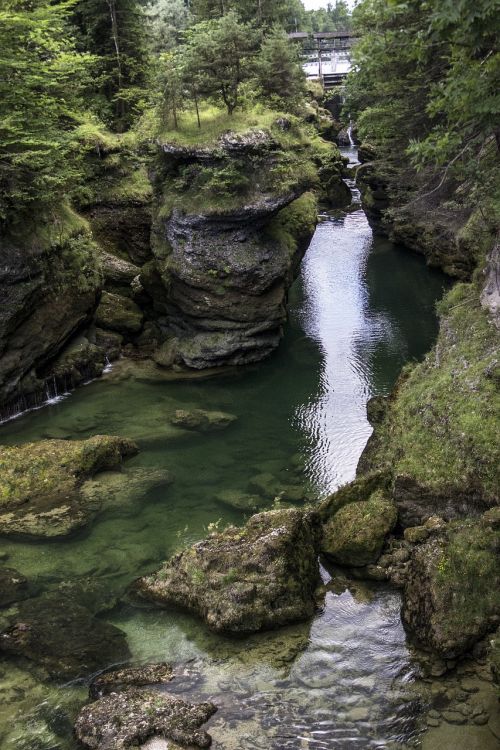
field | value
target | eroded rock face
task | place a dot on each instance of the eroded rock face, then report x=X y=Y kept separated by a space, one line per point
x=451 y=594
x=58 y=634
x=40 y=483
x=48 y=290
x=227 y=241
x=122 y=720
x=244 y=579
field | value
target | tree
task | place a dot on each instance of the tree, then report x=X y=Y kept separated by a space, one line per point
x=42 y=79
x=115 y=32
x=167 y=20
x=288 y=13
x=171 y=86
x=279 y=71
x=219 y=55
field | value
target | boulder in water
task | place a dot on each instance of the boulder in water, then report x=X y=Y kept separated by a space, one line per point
x=245 y=579
x=40 y=483
x=128 y=719
x=118 y=313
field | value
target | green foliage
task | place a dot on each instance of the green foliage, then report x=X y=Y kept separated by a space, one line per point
x=218 y=55
x=167 y=19
x=426 y=84
x=287 y=13
x=41 y=83
x=114 y=32
x=279 y=71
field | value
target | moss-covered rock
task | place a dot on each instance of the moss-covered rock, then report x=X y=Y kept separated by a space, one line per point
x=128 y=719
x=40 y=483
x=49 y=280
x=439 y=434
x=58 y=634
x=355 y=535
x=452 y=590
x=244 y=579
x=118 y=313
x=494 y=656
x=202 y=420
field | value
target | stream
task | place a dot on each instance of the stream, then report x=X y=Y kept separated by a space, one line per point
x=359 y=311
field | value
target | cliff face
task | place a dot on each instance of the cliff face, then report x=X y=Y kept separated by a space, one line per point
x=229 y=232
x=48 y=289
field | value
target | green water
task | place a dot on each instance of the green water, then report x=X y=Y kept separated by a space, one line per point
x=360 y=309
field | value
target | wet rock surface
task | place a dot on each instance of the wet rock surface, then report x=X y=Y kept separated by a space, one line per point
x=120 y=679
x=40 y=483
x=122 y=720
x=63 y=637
x=241 y=580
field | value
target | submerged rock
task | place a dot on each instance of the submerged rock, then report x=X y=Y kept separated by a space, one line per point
x=120 y=679
x=199 y=419
x=451 y=596
x=40 y=483
x=122 y=720
x=244 y=579
x=13 y=586
x=63 y=637
x=239 y=500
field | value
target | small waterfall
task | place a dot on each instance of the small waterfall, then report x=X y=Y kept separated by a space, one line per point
x=349 y=133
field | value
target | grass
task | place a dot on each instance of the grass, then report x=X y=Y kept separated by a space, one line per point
x=216 y=121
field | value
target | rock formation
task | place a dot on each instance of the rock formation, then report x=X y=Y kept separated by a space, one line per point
x=262 y=575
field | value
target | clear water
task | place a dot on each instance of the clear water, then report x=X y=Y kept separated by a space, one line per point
x=360 y=309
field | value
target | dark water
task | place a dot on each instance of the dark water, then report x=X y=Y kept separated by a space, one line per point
x=361 y=309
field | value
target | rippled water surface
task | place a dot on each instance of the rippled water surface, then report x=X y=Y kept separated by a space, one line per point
x=360 y=309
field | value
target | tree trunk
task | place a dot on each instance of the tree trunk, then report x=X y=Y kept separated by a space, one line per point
x=197 y=109
x=115 y=37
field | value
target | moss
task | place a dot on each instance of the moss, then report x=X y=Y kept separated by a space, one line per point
x=50 y=466
x=468 y=576
x=295 y=222
x=442 y=426
x=356 y=533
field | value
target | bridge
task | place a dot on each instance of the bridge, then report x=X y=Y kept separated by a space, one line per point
x=326 y=55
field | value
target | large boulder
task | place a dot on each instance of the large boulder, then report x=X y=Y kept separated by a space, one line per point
x=41 y=483
x=244 y=579
x=451 y=596
x=355 y=535
x=120 y=314
x=128 y=719
x=55 y=632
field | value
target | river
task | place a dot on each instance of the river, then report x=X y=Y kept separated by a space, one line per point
x=359 y=311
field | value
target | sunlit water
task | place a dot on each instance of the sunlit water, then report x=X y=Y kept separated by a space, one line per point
x=360 y=309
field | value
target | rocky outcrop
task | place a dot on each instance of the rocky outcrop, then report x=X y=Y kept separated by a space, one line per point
x=490 y=296
x=57 y=633
x=128 y=719
x=229 y=231
x=49 y=280
x=451 y=595
x=41 y=483
x=244 y=579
